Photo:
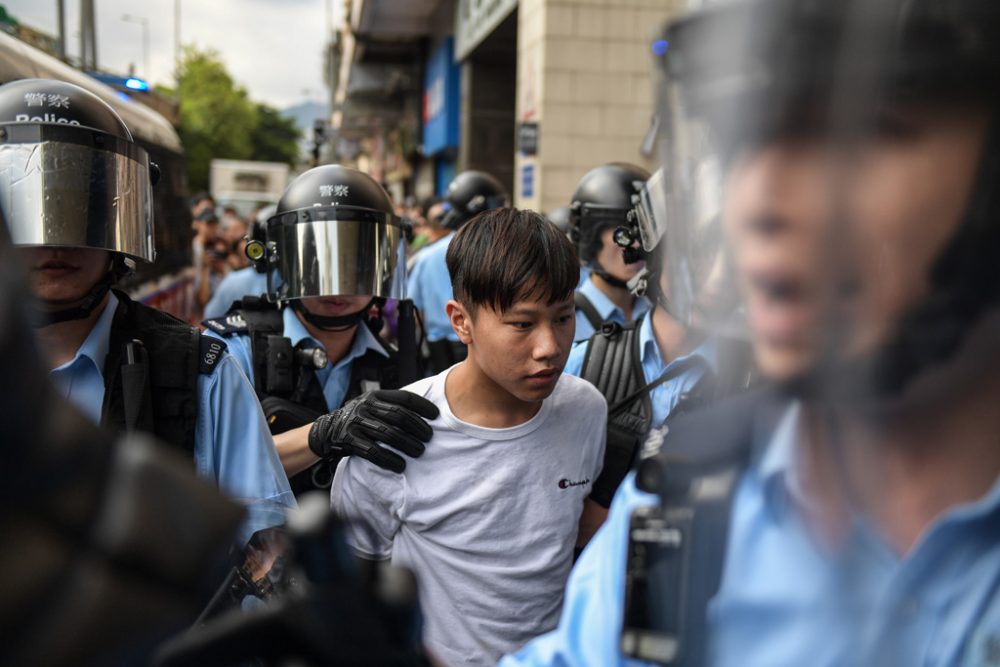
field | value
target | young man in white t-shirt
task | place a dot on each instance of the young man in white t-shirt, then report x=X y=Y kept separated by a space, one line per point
x=487 y=518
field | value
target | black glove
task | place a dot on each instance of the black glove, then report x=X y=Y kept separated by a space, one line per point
x=393 y=417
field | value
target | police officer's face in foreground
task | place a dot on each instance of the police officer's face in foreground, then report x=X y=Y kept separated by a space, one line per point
x=63 y=276
x=842 y=235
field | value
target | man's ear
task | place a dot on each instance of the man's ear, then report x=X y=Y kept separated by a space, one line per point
x=460 y=320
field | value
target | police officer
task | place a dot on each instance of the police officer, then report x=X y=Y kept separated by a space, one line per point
x=312 y=349
x=64 y=483
x=429 y=284
x=250 y=280
x=600 y=204
x=654 y=368
x=848 y=514
x=76 y=194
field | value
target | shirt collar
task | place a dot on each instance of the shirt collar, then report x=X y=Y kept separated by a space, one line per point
x=782 y=483
x=604 y=306
x=95 y=345
x=364 y=339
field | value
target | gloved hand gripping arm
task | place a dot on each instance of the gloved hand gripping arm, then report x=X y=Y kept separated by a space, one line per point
x=365 y=425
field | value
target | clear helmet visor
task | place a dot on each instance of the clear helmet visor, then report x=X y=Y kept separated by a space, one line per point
x=804 y=147
x=57 y=188
x=336 y=251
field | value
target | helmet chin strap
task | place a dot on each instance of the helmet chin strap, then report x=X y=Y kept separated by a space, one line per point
x=332 y=322
x=43 y=318
x=598 y=270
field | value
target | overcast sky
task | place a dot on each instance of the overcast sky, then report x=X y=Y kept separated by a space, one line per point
x=272 y=47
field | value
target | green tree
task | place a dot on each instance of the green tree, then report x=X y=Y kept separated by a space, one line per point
x=276 y=137
x=219 y=120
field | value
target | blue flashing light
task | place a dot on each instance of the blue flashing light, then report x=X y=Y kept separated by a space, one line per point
x=660 y=47
x=136 y=84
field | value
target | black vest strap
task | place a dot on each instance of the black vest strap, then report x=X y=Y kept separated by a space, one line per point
x=588 y=309
x=151 y=373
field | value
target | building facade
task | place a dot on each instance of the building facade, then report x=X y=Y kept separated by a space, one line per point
x=537 y=91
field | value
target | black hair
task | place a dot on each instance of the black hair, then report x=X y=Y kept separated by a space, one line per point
x=504 y=255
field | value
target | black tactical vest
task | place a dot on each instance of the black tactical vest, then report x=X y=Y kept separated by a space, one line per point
x=151 y=373
x=289 y=391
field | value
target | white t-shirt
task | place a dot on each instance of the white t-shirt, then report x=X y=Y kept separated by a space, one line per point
x=487 y=518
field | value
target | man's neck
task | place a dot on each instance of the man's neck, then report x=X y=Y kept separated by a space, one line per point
x=336 y=344
x=905 y=472
x=671 y=336
x=476 y=399
x=62 y=340
x=620 y=296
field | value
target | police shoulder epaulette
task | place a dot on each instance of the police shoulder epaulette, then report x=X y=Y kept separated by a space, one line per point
x=230 y=324
x=209 y=353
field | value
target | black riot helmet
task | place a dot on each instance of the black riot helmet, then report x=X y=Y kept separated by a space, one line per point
x=469 y=194
x=72 y=177
x=603 y=198
x=560 y=218
x=745 y=76
x=334 y=233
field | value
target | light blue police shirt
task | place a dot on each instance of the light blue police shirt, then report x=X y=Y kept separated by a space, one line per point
x=335 y=378
x=233 y=446
x=787 y=600
x=429 y=286
x=665 y=396
x=606 y=308
x=233 y=287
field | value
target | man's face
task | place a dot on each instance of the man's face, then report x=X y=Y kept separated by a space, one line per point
x=611 y=260
x=63 y=276
x=834 y=241
x=524 y=349
x=335 y=306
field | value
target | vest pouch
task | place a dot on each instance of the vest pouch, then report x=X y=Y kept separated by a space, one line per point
x=283 y=415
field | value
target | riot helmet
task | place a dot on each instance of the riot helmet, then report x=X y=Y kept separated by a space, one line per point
x=333 y=233
x=810 y=124
x=72 y=177
x=560 y=218
x=603 y=199
x=469 y=194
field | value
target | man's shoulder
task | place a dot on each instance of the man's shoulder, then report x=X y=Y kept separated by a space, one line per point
x=580 y=394
x=230 y=324
x=421 y=387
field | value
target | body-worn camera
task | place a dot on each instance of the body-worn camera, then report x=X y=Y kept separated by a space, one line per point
x=655 y=563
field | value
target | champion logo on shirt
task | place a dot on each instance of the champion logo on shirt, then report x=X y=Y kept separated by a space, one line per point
x=565 y=483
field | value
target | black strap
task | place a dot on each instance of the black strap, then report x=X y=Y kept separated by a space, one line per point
x=666 y=376
x=445 y=353
x=135 y=388
x=263 y=319
x=584 y=305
